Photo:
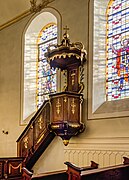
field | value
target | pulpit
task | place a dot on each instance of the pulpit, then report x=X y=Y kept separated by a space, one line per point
x=66 y=106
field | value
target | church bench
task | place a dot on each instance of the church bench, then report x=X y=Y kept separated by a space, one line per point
x=74 y=172
x=118 y=172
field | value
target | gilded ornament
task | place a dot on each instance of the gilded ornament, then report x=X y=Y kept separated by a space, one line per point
x=66 y=142
x=55 y=126
x=58 y=105
x=39 y=140
x=15 y=167
x=73 y=78
x=74 y=125
x=40 y=122
x=73 y=105
x=65 y=99
x=26 y=142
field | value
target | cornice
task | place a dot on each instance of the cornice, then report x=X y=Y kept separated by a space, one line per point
x=16 y=19
x=108 y=143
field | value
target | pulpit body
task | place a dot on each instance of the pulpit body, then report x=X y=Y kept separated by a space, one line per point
x=66 y=106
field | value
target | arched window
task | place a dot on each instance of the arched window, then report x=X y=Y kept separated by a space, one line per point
x=109 y=59
x=117 y=78
x=38 y=80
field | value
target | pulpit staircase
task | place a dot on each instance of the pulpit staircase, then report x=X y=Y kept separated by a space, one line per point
x=36 y=136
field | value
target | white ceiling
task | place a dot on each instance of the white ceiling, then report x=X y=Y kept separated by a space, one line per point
x=9 y=9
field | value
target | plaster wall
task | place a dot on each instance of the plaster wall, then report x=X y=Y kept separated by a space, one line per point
x=10 y=81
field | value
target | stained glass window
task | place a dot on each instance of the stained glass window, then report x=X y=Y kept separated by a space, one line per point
x=117 y=66
x=46 y=77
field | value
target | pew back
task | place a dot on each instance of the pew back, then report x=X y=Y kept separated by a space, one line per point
x=74 y=172
x=119 y=172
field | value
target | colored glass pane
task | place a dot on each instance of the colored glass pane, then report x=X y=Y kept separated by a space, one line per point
x=46 y=81
x=117 y=66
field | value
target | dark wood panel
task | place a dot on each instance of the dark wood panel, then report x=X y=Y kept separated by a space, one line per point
x=13 y=168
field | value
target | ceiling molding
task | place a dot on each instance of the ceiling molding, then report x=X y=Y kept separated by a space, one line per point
x=34 y=9
x=14 y=20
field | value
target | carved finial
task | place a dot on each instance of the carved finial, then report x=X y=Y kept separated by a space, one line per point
x=65 y=142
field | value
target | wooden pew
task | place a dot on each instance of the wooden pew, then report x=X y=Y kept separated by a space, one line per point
x=118 y=172
x=74 y=172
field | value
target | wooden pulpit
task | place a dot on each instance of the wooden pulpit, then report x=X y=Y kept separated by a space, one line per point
x=66 y=106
